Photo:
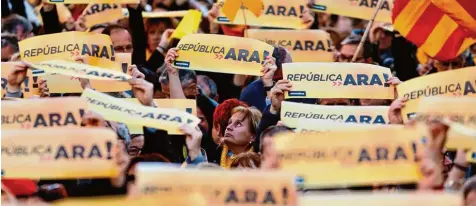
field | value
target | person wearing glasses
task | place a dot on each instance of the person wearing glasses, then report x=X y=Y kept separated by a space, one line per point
x=349 y=47
x=137 y=143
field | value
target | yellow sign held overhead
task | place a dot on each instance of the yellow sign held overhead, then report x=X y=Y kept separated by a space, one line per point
x=43 y=113
x=377 y=155
x=303 y=45
x=276 y=13
x=338 y=80
x=188 y=25
x=97 y=13
x=218 y=187
x=224 y=54
x=119 y=110
x=361 y=9
x=59 y=153
x=455 y=83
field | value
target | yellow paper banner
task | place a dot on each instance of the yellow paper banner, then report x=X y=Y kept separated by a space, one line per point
x=94 y=1
x=40 y=113
x=338 y=80
x=186 y=105
x=188 y=25
x=292 y=112
x=97 y=48
x=276 y=13
x=29 y=86
x=304 y=45
x=80 y=70
x=160 y=14
x=378 y=155
x=399 y=198
x=460 y=82
x=224 y=54
x=219 y=187
x=194 y=199
x=120 y=110
x=361 y=9
x=58 y=153
x=97 y=13
x=66 y=84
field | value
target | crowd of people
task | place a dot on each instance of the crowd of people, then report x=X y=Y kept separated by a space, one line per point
x=239 y=114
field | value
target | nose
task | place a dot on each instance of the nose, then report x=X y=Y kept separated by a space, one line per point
x=229 y=127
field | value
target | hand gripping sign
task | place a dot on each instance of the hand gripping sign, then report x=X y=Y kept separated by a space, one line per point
x=276 y=13
x=119 y=110
x=455 y=83
x=43 y=113
x=218 y=187
x=338 y=80
x=29 y=86
x=58 y=153
x=292 y=112
x=303 y=45
x=361 y=9
x=220 y=53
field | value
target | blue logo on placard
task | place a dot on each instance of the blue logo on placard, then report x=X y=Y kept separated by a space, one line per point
x=319 y=7
x=182 y=64
x=297 y=93
x=56 y=1
x=223 y=19
x=299 y=181
x=189 y=110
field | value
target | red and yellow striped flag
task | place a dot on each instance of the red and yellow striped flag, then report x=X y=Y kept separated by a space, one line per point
x=442 y=36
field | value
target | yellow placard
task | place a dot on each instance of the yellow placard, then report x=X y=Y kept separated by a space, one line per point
x=188 y=25
x=94 y=1
x=361 y=9
x=97 y=48
x=80 y=70
x=120 y=110
x=58 y=153
x=97 y=13
x=304 y=45
x=41 y=113
x=186 y=105
x=218 y=187
x=220 y=53
x=377 y=155
x=338 y=80
x=319 y=126
x=292 y=112
x=276 y=13
x=67 y=84
x=399 y=198
x=29 y=86
x=460 y=82
x=194 y=199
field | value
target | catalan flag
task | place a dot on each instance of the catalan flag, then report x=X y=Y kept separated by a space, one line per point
x=441 y=33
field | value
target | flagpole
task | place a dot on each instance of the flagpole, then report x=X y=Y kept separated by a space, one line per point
x=367 y=30
x=244 y=17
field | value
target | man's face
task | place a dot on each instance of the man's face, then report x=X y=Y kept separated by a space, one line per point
x=22 y=34
x=136 y=145
x=340 y=102
x=121 y=41
x=7 y=53
x=203 y=85
x=190 y=90
x=455 y=63
x=347 y=53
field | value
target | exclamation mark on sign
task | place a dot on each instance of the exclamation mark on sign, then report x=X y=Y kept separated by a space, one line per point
x=124 y=68
x=109 y=149
x=285 y=196
x=414 y=147
x=113 y=55
x=35 y=82
x=265 y=54
x=26 y=84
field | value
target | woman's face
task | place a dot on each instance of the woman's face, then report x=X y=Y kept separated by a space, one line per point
x=238 y=130
x=154 y=35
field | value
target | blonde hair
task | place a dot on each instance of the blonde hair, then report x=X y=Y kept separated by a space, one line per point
x=251 y=113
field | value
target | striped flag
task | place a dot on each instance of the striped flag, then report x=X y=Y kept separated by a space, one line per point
x=435 y=32
x=462 y=11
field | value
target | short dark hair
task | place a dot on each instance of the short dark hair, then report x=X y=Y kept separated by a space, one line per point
x=108 y=29
x=12 y=22
x=9 y=39
x=185 y=76
x=98 y=26
x=211 y=84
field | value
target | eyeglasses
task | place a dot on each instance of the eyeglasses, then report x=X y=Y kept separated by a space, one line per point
x=133 y=151
x=123 y=49
x=344 y=58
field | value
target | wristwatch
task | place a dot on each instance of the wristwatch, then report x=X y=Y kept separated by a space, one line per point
x=267 y=89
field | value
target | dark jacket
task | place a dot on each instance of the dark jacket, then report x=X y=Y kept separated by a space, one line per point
x=254 y=95
x=267 y=120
